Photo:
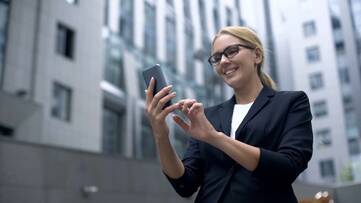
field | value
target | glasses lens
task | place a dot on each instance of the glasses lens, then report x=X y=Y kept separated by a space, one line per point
x=231 y=51
x=214 y=59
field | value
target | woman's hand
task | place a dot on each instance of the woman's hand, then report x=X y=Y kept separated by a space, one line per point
x=199 y=127
x=155 y=111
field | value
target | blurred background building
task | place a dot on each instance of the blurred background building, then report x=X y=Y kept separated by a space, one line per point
x=72 y=93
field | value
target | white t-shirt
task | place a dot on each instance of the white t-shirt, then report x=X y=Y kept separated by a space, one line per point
x=239 y=112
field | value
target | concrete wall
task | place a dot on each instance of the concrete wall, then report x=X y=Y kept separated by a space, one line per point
x=40 y=174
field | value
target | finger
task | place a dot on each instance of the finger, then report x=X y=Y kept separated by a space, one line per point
x=164 y=113
x=163 y=92
x=196 y=107
x=149 y=92
x=181 y=123
x=187 y=104
x=164 y=100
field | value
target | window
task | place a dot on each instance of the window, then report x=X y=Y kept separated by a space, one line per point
x=353 y=146
x=323 y=138
x=72 y=1
x=340 y=48
x=113 y=123
x=6 y=131
x=344 y=75
x=150 y=30
x=313 y=54
x=316 y=81
x=320 y=109
x=114 y=70
x=189 y=43
x=187 y=9
x=180 y=140
x=126 y=21
x=61 y=103
x=65 y=41
x=229 y=16
x=217 y=23
x=3 y=30
x=147 y=139
x=309 y=29
x=327 y=169
x=171 y=45
x=203 y=17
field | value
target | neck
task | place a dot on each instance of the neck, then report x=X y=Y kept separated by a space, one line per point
x=249 y=93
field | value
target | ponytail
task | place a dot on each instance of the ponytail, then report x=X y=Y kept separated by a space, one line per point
x=266 y=79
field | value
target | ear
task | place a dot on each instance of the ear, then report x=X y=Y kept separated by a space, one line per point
x=258 y=56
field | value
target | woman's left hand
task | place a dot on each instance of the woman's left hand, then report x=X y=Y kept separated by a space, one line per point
x=199 y=127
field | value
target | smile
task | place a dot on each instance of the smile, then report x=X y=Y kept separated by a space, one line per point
x=230 y=71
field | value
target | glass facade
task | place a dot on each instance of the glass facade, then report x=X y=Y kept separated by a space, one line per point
x=171 y=44
x=126 y=24
x=3 y=31
x=150 y=30
x=113 y=124
x=114 y=68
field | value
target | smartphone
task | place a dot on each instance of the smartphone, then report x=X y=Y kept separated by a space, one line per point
x=160 y=81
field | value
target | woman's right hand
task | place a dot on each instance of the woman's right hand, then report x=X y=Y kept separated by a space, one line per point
x=156 y=113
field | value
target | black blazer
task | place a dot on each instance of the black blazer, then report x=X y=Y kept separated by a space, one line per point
x=279 y=123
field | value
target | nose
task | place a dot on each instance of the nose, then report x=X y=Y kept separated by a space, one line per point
x=224 y=59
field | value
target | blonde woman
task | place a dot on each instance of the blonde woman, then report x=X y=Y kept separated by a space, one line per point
x=247 y=149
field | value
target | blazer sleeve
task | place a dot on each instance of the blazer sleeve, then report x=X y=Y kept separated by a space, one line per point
x=295 y=148
x=189 y=182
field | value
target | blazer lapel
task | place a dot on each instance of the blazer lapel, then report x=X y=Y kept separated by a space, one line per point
x=225 y=115
x=258 y=104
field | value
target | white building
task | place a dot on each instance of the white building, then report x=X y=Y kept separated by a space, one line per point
x=317 y=40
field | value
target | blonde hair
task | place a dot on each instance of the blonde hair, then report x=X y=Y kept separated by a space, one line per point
x=251 y=39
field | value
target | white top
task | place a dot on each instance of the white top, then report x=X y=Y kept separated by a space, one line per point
x=239 y=112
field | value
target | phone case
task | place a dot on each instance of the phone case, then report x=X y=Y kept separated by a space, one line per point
x=160 y=81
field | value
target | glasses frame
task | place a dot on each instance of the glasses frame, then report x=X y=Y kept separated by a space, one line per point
x=224 y=52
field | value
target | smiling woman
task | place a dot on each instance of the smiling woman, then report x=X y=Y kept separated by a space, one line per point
x=248 y=149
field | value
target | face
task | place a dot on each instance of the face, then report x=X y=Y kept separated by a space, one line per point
x=240 y=67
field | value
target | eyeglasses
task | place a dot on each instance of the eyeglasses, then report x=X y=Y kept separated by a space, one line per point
x=228 y=52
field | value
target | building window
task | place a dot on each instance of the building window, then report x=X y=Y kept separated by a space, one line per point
x=217 y=23
x=203 y=17
x=323 y=138
x=189 y=43
x=180 y=140
x=320 y=109
x=344 y=75
x=114 y=70
x=171 y=45
x=150 y=37
x=229 y=16
x=126 y=21
x=4 y=6
x=61 y=102
x=113 y=123
x=6 y=131
x=316 y=81
x=309 y=28
x=65 y=41
x=353 y=146
x=327 y=169
x=72 y=1
x=147 y=140
x=313 y=54
x=340 y=48
x=187 y=10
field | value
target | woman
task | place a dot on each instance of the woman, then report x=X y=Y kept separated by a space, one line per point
x=247 y=149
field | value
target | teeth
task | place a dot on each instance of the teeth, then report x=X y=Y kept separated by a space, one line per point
x=229 y=71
